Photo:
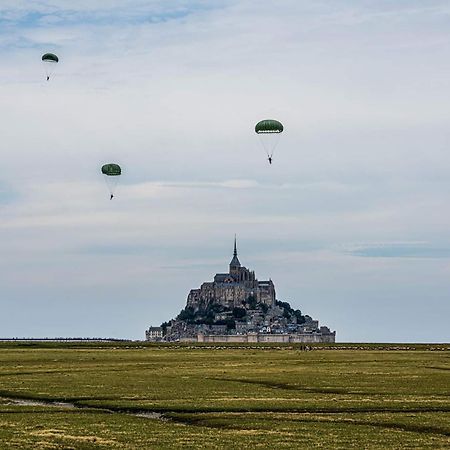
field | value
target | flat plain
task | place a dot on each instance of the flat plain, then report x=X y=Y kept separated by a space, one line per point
x=135 y=395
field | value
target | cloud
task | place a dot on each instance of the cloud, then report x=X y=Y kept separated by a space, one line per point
x=401 y=250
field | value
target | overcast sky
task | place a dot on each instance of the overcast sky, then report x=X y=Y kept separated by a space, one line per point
x=351 y=222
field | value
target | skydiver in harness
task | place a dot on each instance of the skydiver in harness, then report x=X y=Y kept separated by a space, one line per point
x=112 y=196
x=270 y=159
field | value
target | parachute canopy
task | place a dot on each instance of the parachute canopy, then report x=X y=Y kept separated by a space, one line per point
x=268 y=126
x=111 y=170
x=111 y=173
x=49 y=60
x=50 y=57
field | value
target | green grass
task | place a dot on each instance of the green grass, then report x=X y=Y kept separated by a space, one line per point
x=223 y=397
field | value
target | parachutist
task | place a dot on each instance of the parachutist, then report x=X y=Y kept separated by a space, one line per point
x=269 y=131
x=49 y=60
x=112 y=172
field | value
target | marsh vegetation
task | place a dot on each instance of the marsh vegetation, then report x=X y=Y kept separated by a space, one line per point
x=143 y=396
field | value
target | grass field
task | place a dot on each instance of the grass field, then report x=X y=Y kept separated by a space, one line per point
x=144 y=396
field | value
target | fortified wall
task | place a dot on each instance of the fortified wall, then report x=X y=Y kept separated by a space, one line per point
x=267 y=338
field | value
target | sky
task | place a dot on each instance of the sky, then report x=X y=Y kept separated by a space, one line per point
x=351 y=221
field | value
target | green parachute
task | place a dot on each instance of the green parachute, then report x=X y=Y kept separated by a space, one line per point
x=112 y=174
x=49 y=60
x=269 y=132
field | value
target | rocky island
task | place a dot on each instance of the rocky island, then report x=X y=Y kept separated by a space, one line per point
x=237 y=307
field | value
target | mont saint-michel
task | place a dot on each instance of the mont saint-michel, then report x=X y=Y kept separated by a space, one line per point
x=237 y=307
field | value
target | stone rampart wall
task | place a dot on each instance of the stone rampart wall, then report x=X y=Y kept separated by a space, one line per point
x=277 y=338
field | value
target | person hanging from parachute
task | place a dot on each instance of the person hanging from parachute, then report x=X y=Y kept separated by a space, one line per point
x=269 y=132
x=49 y=60
x=112 y=174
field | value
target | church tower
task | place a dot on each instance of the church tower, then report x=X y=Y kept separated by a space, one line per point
x=235 y=264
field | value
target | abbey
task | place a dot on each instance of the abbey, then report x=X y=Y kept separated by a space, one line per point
x=233 y=288
x=237 y=307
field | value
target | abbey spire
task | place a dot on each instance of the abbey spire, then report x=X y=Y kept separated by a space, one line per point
x=235 y=263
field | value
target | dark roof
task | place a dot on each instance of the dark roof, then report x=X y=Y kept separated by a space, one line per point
x=222 y=277
x=235 y=262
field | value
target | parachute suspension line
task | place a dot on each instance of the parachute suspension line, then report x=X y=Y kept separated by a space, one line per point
x=276 y=140
x=111 y=183
x=269 y=142
x=263 y=143
x=49 y=69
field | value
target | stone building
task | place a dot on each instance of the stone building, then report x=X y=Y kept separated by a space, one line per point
x=230 y=289
x=154 y=334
